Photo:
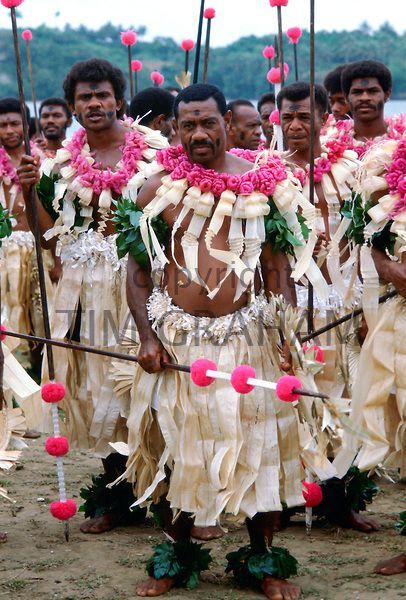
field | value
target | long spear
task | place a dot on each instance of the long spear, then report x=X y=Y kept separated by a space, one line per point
x=198 y=43
x=294 y=34
x=136 y=66
x=279 y=4
x=129 y=38
x=208 y=14
x=27 y=37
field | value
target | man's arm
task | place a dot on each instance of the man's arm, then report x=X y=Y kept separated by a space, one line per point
x=390 y=271
x=277 y=274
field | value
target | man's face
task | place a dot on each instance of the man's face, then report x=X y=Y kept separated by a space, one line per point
x=245 y=128
x=366 y=99
x=11 y=130
x=202 y=130
x=95 y=105
x=295 y=122
x=53 y=121
x=167 y=129
x=265 y=111
x=339 y=106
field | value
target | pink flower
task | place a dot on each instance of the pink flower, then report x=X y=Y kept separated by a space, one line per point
x=27 y=35
x=294 y=34
x=218 y=186
x=246 y=188
x=233 y=182
x=136 y=65
x=11 y=3
x=209 y=13
x=188 y=45
x=128 y=38
x=399 y=166
x=274 y=74
x=274 y=117
x=268 y=52
x=402 y=187
x=205 y=184
x=278 y=2
x=157 y=78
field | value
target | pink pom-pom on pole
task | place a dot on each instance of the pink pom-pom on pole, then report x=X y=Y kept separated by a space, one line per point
x=63 y=509
x=209 y=13
x=188 y=45
x=128 y=38
x=268 y=52
x=57 y=446
x=136 y=65
x=53 y=391
x=312 y=493
x=274 y=117
x=157 y=78
x=27 y=35
x=11 y=3
x=285 y=386
x=239 y=379
x=3 y=335
x=318 y=352
x=294 y=34
x=198 y=371
x=278 y=2
x=274 y=74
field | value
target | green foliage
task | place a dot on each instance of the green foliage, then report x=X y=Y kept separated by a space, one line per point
x=401 y=524
x=279 y=234
x=183 y=560
x=5 y=224
x=354 y=210
x=236 y=68
x=360 y=489
x=46 y=193
x=129 y=241
x=249 y=568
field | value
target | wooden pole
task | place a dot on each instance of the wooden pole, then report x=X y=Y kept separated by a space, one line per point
x=280 y=38
x=310 y=298
x=207 y=52
x=33 y=96
x=130 y=72
x=198 y=43
x=296 y=63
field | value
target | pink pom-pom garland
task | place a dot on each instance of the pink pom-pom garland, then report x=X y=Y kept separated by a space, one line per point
x=268 y=52
x=294 y=34
x=136 y=65
x=11 y=3
x=157 y=78
x=3 y=335
x=128 y=38
x=53 y=392
x=274 y=74
x=239 y=379
x=198 y=371
x=274 y=117
x=188 y=45
x=209 y=13
x=57 y=446
x=318 y=352
x=27 y=35
x=63 y=509
x=312 y=493
x=285 y=386
x=278 y=2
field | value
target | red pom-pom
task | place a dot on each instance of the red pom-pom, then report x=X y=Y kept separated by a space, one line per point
x=188 y=45
x=11 y=3
x=209 y=13
x=274 y=117
x=268 y=52
x=285 y=386
x=294 y=34
x=313 y=494
x=239 y=378
x=157 y=78
x=53 y=391
x=274 y=74
x=318 y=352
x=136 y=65
x=27 y=35
x=278 y=2
x=128 y=38
x=2 y=329
x=198 y=370
x=63 y=510
x=57 y=446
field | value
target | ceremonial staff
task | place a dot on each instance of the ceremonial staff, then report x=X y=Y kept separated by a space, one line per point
x=294 y=34
x=209 y=14
x=136 y=66
x=129 y=38
x=27 y=37
x=198 y=43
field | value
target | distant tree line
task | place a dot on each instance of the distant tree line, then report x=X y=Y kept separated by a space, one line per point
x=239 y=69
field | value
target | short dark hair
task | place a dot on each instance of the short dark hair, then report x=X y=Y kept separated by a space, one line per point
x=199 y=92
x=332 y=81
x=154 y=101
x=300 y=91
x=172 y=88
x=264 y=99
x=8 y=105
x=366 y=68
x=96 y=70
x=56 y=102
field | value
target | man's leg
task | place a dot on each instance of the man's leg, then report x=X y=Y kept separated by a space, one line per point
x=392 y=566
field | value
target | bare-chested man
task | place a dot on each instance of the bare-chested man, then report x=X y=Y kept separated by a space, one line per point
x=55 y=117
x=340 y=109
x=266 y=106
x=244 y=129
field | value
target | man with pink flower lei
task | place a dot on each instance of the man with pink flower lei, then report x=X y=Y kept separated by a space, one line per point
x=209 y=282
x=106 y=160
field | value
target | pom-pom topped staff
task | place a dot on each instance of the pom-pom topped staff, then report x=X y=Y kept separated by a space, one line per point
x=27 y=37
x=278 y=4
x=208 y=14
x=198 y=43
x=294 y=34
x=136 y=66
x=129 y=38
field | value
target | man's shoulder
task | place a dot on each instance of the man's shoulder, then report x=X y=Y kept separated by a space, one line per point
x=150 y=188
x=237 y=165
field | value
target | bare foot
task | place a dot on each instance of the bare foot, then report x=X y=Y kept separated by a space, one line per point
x=3 y=537
x=206 y=533
x=155 y=587
x=361 y=523
x=392 y=566
x=279 y=589
x=100 y=524
x=31 y=434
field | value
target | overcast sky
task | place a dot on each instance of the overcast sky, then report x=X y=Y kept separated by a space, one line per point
x=235 y=18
